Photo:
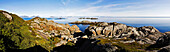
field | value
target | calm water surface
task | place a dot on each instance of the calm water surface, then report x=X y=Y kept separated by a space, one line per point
x=161 y=23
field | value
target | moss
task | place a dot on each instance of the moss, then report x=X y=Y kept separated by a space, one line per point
x=125 y=47
x=70 y=44
x=15 y=33
x=131 y=47
x=2 y=46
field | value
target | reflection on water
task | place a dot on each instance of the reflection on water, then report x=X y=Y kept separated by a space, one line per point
x=161 y=23
x=82 y=27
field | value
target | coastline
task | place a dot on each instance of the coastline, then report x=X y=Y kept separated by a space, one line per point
x=42 y=34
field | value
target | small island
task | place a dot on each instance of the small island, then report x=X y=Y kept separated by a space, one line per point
x=92 y=18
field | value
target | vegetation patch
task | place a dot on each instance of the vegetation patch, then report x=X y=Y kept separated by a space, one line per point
x=125 y=47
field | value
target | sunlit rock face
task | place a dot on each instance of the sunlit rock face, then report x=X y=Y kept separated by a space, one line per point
x=7 y=15
x=49 y=29
x=142 y=35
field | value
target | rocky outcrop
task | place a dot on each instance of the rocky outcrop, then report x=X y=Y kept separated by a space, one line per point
x=49 y=29
x=7 y=15
x=167 y=32
x=90 y=45
x=142 y=35
x=82 y=22
x=165 y=49
x=85 y=22
x=74 y=28
x=163 y=43
x=164 y=40
x=87 y=45
x=89 y=18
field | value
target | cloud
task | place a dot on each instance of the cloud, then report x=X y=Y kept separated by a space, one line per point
x=96 y=2
x=128 y=9
x=111 y=5
x=98 y=8
x=64 y=2
x=120 y=9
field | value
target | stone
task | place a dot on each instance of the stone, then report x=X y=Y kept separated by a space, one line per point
x=140 y=42
x=38 y=36
x=67 y=25
x=124 y=35
x=146 y=41
x=85 y=36
x=36 y=26
x=119 y=29
x=62 y=42
x=167 y=32
x=107 y=30
x=148 y=29
x=74 y=29
x=99 y=30
x=64 y=37
x=141 y=33
x=136 y=33
x=93 y=31
x=155 y=36
x=102 y=24
x=130 y=41
x=7 y=15
x=165 y=49
x=90 y=30
x=164 y=40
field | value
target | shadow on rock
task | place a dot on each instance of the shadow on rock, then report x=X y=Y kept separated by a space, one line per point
x=86 y=45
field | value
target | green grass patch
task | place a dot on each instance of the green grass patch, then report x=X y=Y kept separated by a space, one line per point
x=126 y=47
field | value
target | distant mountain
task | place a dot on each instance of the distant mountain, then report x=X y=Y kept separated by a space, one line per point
x=24 y=16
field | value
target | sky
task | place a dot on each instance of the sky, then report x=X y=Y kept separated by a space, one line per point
x=48 y=8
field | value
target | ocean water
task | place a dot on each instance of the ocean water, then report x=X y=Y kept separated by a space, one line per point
x=161 y=23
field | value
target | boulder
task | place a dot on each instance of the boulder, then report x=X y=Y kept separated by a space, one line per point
x=119 y=29
x=108 y=30
x=146 y=41
x=164 y=40
x=7 y=15
x=155 y=36
x=35 y=25
x=93 y=31
x=167 y=32
x=67 y=25
x=136 y=33
x=148 y=29
x=102 y=24
x=142 y=34
x=85 y=36
x=62 y=42
x=90 y=30
x=130 y=41
x=99 y=30
x=165 y=49
x=74 y=29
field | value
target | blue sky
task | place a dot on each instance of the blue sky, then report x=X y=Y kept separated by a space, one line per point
x=47 y=8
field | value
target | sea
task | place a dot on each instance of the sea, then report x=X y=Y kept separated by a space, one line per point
x=160 y=23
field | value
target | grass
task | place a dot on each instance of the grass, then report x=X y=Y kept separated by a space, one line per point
x=125 y=47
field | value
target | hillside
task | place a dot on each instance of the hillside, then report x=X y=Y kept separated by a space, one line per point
x=17 y=34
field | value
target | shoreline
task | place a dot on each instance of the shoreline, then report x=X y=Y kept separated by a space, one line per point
x=98 y=36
